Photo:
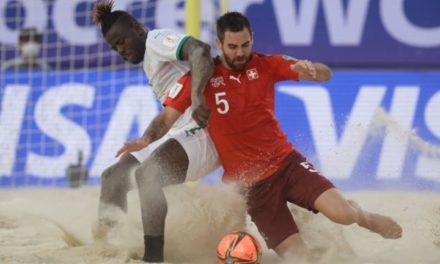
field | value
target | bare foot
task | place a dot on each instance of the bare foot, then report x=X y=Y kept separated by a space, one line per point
x=383 y=225
x=380 y=224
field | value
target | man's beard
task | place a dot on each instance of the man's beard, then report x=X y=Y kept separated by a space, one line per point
x=233 y=66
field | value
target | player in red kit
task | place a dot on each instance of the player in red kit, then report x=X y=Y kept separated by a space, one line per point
x=242 y=125
x=254 y=151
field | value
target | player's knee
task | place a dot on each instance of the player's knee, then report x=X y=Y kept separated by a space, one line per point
x=113 y=181
x=139 y=175
x=147 y=174
x=108 y=176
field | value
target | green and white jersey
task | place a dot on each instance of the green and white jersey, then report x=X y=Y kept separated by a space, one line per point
x=162 y=63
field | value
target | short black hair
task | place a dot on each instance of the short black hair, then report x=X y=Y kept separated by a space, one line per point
x=232 y=21
x=104 y=16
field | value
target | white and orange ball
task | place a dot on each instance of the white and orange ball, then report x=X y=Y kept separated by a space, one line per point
x=239 y=247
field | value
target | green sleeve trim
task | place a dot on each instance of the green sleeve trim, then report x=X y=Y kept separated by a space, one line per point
x=179 y=48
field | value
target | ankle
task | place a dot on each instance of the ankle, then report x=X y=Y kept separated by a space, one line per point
x=153 y=248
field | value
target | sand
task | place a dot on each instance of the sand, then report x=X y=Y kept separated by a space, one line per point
x=55 y=226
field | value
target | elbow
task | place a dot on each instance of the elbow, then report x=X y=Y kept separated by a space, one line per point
x=202 y=54
x=210 y=66
x=206 y=50
x=209 y=62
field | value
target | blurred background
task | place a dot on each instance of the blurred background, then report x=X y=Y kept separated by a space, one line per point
x=68 y=102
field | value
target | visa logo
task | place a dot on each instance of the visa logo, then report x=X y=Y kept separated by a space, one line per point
x=30 y=144
x=339 y=155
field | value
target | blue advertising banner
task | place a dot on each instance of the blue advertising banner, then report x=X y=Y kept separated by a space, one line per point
x=362 y=129
x=368 y=129
x=342 y=33
x=350 y=33
x=47 y=118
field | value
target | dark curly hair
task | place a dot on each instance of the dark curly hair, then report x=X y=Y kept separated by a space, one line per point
x=104 y=16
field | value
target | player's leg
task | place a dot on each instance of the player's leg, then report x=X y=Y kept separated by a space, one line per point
x=293 y=247
x=117 y=180
x=334 y=206
x=267 y=206
x=188 y=155
x=315 y=192
x=115 y=183
x=167 y=165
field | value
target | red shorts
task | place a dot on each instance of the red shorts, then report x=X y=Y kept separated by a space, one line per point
x=297 y=182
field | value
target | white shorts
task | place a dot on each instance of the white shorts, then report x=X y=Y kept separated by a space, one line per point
x=202 y=154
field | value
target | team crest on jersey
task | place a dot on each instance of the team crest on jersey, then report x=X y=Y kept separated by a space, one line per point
x=252 y=74
x=217 y=81
x=170 y=41
x=175 y=90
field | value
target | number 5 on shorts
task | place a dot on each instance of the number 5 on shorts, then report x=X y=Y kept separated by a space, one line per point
x=308 y=166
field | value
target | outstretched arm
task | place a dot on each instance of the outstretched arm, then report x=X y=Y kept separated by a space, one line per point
x=160 y=125
x=312 y=71
x=202 y=66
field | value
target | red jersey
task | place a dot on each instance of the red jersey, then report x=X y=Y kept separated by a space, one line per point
x=243 y=125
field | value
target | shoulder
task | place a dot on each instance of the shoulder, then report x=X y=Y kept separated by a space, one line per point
x=166 y=37
x=275 y=57
x=277 y=60
x=263 y=61
x=264 y=58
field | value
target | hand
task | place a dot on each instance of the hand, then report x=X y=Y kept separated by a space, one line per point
x=132 y=146
x=304 y=67
x=200 y=112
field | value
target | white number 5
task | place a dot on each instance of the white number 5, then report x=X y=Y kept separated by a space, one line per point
x=308 y=166
x=222 y=103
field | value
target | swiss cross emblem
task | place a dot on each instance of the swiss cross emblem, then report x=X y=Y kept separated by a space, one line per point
x=217 y=81
x=252 y=74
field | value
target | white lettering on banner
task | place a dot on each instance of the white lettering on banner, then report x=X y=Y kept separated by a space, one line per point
x=123 y=4
x=64 y=20
x=12 y=111
x=50 y=120
x=35 y=16
x=395 y=145
x=242 y=5
x=171 y=14
x=432 y=114
x=331 y=152
x=296 y=28
x=338 y=155
x=428 y=164
x=428 y=168
x=345 y=29
x=296 y=20
x=397 y=24
x=136 y=103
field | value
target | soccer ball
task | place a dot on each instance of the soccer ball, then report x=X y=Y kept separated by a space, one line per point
x=239 y=248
